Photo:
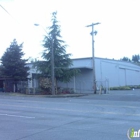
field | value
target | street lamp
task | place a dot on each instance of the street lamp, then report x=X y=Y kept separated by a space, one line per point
x=52 y=62
x=93 y=58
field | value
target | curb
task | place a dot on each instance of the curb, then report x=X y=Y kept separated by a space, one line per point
x=47 y=96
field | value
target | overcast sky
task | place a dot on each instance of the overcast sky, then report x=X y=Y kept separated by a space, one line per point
x=118 y=34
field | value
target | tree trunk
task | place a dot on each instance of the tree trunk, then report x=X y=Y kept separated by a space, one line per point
x=15 y=86
x=56 y=85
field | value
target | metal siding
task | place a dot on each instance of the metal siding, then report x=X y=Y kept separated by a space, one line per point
x=119 y=73
x=83 y=82
x=122 y=77
x=135 y=78
x=129 y=76
x=109 y=71
x=98 y=70
x=82 y=63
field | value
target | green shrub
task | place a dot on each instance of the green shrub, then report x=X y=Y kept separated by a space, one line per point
x=121 y=88
x=67 y=91
x=136 y=87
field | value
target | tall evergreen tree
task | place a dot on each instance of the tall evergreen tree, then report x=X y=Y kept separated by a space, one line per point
x=13 y=65
x=135 y=58
x=125 y=59
x=62 y=61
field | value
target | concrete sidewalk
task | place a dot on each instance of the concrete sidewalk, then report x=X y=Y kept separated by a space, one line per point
x=112 y=94
x=37 y=95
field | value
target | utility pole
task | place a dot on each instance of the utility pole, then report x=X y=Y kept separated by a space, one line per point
x=93 y=58
x=52 y=66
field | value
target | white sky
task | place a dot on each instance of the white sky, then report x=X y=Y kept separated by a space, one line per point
x=118 y=34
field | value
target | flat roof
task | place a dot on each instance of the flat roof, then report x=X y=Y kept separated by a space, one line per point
x=102 y=59
x=106 y=59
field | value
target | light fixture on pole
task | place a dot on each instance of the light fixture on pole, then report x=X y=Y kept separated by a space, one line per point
x=93 y=58
x=52 y=62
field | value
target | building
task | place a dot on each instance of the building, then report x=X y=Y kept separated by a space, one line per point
x=109 y=73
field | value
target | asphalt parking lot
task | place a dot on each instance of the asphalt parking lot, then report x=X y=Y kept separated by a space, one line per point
x=91 y=117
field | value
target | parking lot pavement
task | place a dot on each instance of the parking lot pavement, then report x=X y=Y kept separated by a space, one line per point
x=92 y=117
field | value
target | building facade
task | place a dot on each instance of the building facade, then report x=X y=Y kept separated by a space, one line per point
x=109 y=73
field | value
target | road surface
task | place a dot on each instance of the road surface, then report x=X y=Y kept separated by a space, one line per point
x=92 y=117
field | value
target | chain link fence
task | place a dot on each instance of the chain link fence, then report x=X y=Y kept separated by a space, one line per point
x=102 y=86
x=86 y=86
x=22 y=86
x=77 y=86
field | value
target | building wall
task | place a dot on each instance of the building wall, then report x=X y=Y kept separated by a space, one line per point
x=117 y=73
x=81 y=83
x=33 y=82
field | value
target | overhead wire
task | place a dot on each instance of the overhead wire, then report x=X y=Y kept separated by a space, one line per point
x=8 y=13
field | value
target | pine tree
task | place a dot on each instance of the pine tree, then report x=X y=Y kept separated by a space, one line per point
x=13 y=65
x=62 y=61
x=136 y=58
x=125 y=59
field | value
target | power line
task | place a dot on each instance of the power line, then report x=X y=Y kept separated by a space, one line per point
x=8 y=13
